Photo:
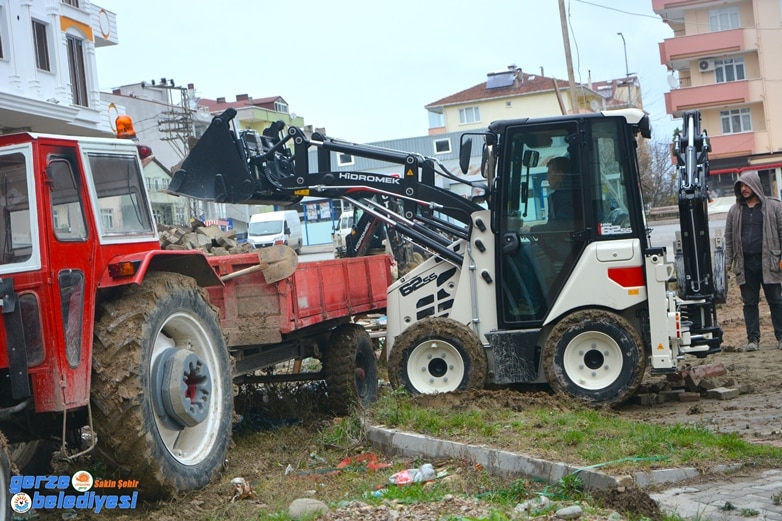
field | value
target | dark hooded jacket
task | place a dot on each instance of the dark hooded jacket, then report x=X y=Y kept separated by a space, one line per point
x=772 y=232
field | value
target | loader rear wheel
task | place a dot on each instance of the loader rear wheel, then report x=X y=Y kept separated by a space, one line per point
x=161 y=386
x=437 y=355
x=594 y=356
x=350 y=369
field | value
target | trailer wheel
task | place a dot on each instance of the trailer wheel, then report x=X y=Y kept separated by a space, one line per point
x=350 y=369
x=594 y=356
x=437 y=355
x=161 y=387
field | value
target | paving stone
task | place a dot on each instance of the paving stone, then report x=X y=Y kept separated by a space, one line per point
x=722 y=393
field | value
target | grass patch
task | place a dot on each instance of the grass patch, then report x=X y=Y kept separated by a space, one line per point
x=572 y=433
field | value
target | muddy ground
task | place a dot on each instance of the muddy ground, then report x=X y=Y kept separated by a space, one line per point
x=755 y=415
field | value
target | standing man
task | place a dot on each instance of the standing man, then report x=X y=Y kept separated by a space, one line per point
x=753 y=248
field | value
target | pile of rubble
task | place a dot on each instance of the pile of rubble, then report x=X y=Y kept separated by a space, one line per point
x=209 y=239
x=691 y=384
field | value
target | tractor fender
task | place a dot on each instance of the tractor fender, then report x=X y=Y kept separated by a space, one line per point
x=192 y=263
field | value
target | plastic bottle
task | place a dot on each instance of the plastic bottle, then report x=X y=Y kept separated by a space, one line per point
x=423 y=473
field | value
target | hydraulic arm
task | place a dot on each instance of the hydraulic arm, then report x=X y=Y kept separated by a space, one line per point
x=697 y=283
x=264 y=169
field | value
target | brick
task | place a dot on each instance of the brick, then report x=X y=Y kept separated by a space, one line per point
x=689 y=397
x=671 y=395
x=708 y=384
x=722 y=393
x=645 y=398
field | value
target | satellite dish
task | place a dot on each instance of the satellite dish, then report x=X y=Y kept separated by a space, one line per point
x=673 y=82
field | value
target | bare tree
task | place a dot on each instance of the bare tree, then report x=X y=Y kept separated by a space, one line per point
x=658 y=175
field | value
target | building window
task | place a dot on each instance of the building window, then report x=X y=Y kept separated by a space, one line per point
x=107 y=218
x=281 y=107
x=469 y=115
x=731 y=69
x=724 y=18
x=345 y=159
x=74 y=3
x=41 y=46
x=736 y=120
x=78 y=73
x=436 y=119
x=442 y=146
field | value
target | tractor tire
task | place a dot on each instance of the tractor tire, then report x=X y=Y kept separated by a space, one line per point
x=5 y=481
x=32 y=458
x=350 y=369
x=161 y=386
x=437 y=355
x=594 y=356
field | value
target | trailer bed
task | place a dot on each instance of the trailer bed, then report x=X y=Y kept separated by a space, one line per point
x=255 y=313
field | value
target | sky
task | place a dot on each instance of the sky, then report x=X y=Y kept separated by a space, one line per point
x=365 y=70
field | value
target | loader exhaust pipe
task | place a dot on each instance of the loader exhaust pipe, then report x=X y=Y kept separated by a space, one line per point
x=221 y=168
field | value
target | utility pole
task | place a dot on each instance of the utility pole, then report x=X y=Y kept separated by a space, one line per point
x=176 y=122
x=568 y=58
x=627 y=73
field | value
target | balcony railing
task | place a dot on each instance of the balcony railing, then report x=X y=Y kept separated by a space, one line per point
x=730 y=93
x=680 y=50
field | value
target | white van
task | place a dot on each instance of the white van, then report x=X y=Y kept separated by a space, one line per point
x=267 y=229
x=342 y=229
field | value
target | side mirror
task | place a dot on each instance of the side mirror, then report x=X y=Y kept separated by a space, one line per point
x=531 y=158
x=465 y=151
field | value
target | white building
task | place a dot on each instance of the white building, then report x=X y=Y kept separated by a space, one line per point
x=48 y=67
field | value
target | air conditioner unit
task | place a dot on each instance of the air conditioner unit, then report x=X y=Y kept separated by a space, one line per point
x=706 y=65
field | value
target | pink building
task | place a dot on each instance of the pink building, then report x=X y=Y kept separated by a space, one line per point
x=723 y=61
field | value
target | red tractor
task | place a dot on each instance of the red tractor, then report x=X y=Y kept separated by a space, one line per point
x=103 y=329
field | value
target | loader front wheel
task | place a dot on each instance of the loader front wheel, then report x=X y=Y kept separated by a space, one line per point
x=350 y=369
x=594 y=356
x=161 y=386
x=437 y=355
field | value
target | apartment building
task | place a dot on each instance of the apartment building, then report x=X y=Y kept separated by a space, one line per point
x=48 y=66
x=723 y=61
x=513 y=93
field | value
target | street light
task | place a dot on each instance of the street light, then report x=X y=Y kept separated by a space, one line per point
x=627 y=72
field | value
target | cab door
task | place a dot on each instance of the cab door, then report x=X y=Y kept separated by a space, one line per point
x=70 y=241
x=539 y=247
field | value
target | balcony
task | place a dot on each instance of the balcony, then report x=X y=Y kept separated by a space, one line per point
x=678 y=52
x=717 y=94
x=734 y=145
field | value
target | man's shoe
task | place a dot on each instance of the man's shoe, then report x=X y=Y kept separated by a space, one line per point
x=779 y=346
x=752 y=346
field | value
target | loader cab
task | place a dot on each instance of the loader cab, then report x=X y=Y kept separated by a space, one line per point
x=567 y=192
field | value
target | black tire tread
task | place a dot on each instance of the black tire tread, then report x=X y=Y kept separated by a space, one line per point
x=438 y=327
x=346 y=344
x=117 y=392
x=578 y=320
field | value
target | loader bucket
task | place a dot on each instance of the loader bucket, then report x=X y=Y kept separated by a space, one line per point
x=216 y=169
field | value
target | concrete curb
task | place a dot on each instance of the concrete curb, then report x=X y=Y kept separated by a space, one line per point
x=504 y=463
